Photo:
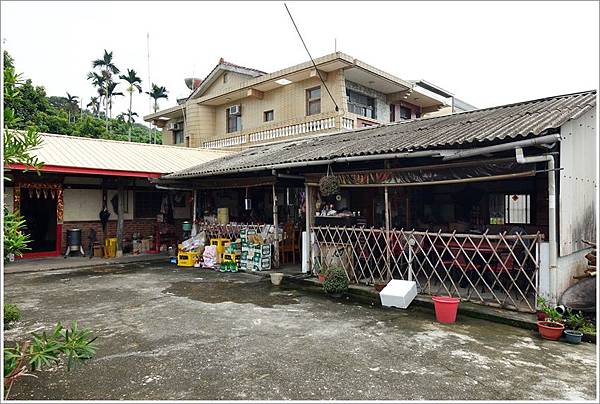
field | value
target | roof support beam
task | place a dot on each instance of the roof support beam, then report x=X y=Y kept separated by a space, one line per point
x=314 y=73
x=254 y=93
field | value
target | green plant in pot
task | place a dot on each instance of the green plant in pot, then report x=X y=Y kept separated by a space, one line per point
x=336 y=282
x=551 y=327
x=322 y=273
x=577 y=325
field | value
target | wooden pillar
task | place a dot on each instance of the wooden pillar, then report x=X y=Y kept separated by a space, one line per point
x=120 y=218
x=276 y=226
x=388 y=249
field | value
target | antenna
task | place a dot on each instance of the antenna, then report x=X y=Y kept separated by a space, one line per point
x=311 y=58
x=335 y=44
x=149 y=84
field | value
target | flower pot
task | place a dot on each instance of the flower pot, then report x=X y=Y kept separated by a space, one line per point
x=276 y=278
x=446 y=308
x=573 y=337
x=380 y=285
x=321 y=278
x=550 y=330
x=541 y=316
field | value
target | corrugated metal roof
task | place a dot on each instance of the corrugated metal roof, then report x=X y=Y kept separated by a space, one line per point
x=490 y=125
x=81 y=152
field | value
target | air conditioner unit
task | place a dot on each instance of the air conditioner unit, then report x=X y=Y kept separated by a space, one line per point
x=235 y=110
x=175 y=126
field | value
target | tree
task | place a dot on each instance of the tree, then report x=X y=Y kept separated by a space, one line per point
x=110 y=93
x=134 y=83
x=108 y=68
x=95 y=104
x=72 y=106
x=157 y=93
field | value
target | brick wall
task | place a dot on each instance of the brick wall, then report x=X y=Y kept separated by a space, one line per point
x=143 y=226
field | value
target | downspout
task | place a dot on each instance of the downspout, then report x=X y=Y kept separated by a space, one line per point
x=521 y=159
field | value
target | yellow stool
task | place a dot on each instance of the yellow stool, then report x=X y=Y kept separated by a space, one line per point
x=110 y=247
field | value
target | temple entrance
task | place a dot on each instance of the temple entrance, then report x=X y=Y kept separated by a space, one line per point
x=38 y=208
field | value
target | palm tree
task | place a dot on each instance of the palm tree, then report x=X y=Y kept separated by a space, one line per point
x=156 y=93
x=134 y=83
x=71 y=104
x=110 y=93
x=95 y=104
x=108 y=68
x=99 y=81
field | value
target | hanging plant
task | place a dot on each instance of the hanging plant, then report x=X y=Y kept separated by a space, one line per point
x=329 y=184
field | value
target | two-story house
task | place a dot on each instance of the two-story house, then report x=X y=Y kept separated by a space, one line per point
x=236 y=106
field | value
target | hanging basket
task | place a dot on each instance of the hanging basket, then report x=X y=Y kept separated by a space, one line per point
x=329 y=185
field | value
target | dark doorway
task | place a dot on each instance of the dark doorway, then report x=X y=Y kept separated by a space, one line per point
x=39 y=212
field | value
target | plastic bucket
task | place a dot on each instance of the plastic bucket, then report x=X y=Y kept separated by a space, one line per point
x=445 y=308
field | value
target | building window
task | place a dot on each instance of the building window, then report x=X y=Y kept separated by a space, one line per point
x=269 y=115
x=225 y=78
x=510 y=209
x=146 y=204
x=178 y=137
x=392 y=113
x=233 y=119
x=405 y=113
x=361 y=104
x=313 y=101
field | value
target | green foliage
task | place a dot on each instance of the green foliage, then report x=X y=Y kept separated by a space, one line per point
x=15 y=240
x=11 y=313
x=576 y=321
x=551 y=313
x=72 y=346
x=336 y=281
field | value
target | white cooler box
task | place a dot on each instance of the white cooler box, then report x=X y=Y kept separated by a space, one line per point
x=398 y=293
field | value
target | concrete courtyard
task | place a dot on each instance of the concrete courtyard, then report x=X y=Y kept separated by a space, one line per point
x=183 y=333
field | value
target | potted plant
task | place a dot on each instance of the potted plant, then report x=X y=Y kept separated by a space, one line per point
x=336 y=282
x=551 y=327
x=542 y=304
x=575 y=323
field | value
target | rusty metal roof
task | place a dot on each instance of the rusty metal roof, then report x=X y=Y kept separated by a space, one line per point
x=462 y=130
x=99 y=154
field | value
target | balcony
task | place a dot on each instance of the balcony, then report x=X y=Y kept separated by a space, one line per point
x=322 y=123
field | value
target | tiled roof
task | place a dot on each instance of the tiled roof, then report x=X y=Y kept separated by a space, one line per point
x=466 y=129
x=88 y=153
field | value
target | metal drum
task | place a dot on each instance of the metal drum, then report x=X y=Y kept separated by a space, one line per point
x=74 y=239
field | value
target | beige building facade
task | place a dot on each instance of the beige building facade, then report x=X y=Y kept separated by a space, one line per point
x=237 y=107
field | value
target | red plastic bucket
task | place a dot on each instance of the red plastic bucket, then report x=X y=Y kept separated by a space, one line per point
x=445 y=308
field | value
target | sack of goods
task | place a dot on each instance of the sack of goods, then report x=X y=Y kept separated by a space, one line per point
x=210 y=256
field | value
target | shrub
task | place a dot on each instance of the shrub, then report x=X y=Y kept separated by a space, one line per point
x=336 y=281
x=550 y=312
x=11 y=313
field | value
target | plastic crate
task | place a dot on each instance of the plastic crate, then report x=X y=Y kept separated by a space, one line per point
x=186 y=259
x=220 y=243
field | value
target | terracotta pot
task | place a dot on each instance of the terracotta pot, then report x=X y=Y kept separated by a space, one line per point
x=550 y=330
x=321 y=278
x=541 y=316
x=380 y=285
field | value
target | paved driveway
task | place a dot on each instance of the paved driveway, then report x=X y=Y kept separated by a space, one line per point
x=169 y=333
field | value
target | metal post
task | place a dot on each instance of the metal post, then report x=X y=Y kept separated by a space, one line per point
x=276 y=226
x=194 y=214
x=309 y=213
x=388 y=249
x=120 y=218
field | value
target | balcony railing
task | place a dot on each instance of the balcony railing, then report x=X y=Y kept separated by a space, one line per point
x=296 y=127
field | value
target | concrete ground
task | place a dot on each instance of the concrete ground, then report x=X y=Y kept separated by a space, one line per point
x=182 y=333
x=74 y=261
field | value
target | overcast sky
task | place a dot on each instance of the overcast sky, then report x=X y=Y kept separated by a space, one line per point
x=485 y=53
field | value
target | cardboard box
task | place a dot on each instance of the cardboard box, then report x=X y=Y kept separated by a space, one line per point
x=266 y=250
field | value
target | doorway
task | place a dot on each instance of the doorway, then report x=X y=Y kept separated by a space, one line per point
x=38 y=208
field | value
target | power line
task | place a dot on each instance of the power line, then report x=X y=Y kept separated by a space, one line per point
x=311 y=58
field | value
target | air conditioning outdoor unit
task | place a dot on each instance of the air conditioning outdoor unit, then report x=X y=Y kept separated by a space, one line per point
x=175 y=126
x=235 y=110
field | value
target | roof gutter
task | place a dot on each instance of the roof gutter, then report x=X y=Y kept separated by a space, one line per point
x=503 y=147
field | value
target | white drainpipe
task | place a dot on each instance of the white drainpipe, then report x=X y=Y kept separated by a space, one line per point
x=521 y=159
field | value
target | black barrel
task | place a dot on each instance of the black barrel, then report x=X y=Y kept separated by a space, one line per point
x=74 y=237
